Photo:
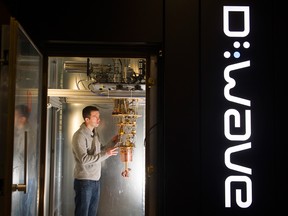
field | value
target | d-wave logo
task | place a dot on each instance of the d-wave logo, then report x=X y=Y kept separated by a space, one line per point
x=232 y=117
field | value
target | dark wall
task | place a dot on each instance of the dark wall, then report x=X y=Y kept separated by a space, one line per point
x=194 y=103
x=4 y=14
x=108 y=21
x=182 y=107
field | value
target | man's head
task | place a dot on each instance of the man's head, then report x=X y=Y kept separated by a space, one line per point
x=91 y=116
x=22 y=114
x=86 y=112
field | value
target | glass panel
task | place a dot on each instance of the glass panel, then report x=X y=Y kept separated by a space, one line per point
x=28 y=70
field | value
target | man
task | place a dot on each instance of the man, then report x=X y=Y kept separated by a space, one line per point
x=88 y=156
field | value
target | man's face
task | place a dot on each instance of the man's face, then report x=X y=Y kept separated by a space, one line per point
x=19 y=120
x=94 y=119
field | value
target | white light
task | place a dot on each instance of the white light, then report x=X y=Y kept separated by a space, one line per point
x=226 y=11
x=227 y=54
x=246 y=44
x=236 y=44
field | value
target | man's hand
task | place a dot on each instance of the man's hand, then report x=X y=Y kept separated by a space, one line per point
x=112 y=151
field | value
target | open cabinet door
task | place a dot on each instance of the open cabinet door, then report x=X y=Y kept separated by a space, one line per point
x=21 y=87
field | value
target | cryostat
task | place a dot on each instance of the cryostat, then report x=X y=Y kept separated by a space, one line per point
x=126 y=112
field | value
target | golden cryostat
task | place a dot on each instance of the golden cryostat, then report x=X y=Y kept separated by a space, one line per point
x=126 y=112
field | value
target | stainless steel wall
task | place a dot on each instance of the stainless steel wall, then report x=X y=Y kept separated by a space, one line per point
x=119 y=195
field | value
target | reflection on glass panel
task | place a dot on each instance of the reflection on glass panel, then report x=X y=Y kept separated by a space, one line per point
x=26 y=127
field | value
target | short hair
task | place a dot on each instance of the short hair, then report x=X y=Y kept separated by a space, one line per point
x=23 y=110
x=86 y=112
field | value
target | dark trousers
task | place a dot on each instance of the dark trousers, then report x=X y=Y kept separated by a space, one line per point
x=87 y=194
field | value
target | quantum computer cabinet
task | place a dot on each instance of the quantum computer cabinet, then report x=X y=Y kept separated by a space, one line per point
x=121 y=80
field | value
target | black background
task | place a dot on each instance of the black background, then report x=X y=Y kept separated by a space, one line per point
x=190 y=33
